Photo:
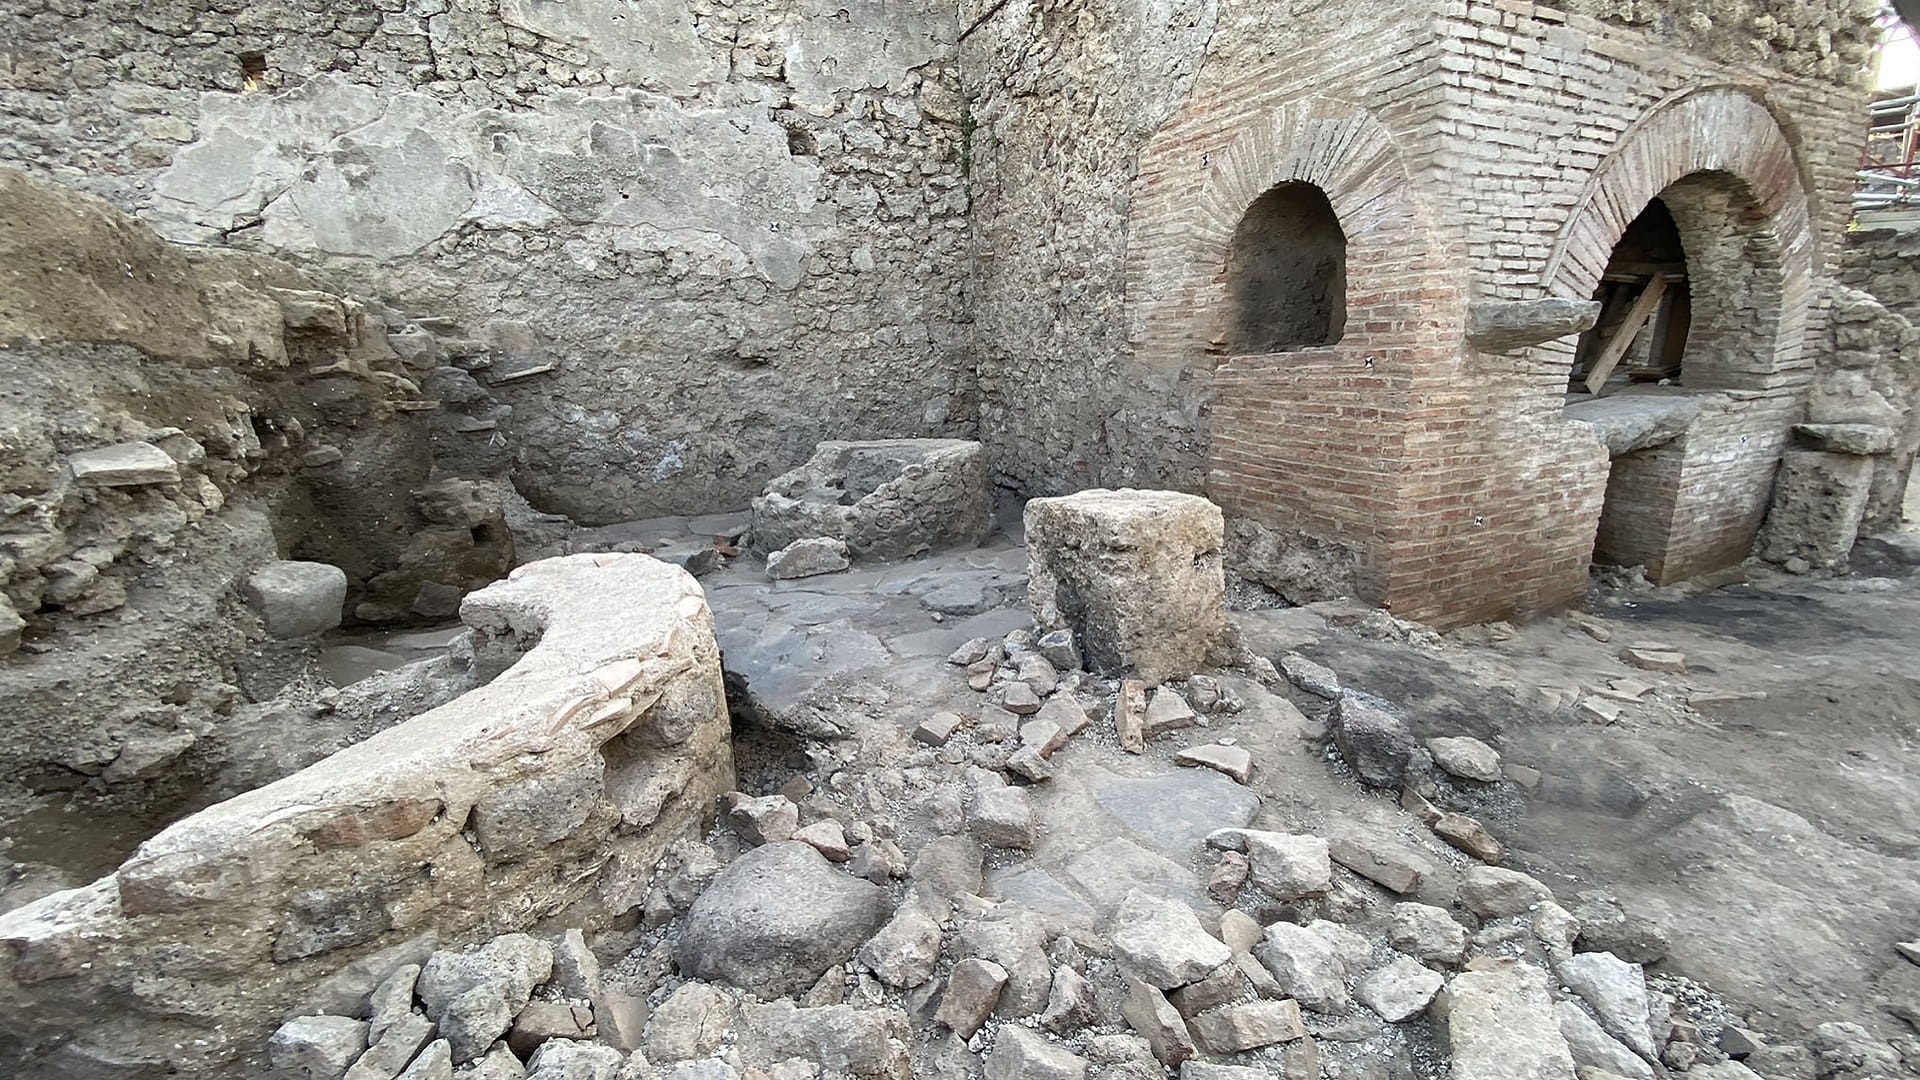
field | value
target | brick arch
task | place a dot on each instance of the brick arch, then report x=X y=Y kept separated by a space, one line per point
x=1192 y=194
x=1725 y=131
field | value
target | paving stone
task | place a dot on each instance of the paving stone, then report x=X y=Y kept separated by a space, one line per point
x=1173 y=812
x=1233 y=761
x=1162 y=941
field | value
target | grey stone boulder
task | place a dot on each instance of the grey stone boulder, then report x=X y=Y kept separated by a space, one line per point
x=132 y=464
x=904 y=952
x=1493 y=892
x=434 y=1063
x=1399 y=991
x=317 y=1047
x=841 y=1039
x=1466 y=757
x=474 y=995
x=1617 y=993
x=1373 y=741
x=1500 y=1024
x=1316 y=679
x=972 y=993
x=1249 y=1025
x=776 y=918
x=1163 y=942
x=11 y=627
x=1593 y=1048
x=1308 y=966
x=882 y=498
x=809 y=557
x=296 y=599
x=566 y=1060
x=689 y=1024
x=1022 y=1054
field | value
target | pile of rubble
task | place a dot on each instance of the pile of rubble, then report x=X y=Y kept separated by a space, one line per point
x=900 y=908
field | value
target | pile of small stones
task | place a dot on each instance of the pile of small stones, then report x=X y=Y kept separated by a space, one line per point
x=843 y=929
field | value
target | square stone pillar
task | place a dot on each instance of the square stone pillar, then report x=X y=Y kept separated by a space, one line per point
x=1136 y=575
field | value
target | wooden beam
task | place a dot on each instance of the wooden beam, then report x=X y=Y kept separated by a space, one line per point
x=1642 y=310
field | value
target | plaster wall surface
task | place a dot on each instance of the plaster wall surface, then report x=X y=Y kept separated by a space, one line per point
x=735 y=229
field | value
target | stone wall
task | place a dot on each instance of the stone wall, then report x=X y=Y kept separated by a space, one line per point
x=551 y=791
x=733 y=229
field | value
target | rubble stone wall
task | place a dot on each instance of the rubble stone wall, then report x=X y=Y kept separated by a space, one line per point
x=553 y=790
x=733 y=229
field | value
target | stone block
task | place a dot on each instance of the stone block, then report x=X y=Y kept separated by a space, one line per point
x=1136 y=575
x=886 y=498
x=130 y=464
x=1510 y=325
x=1819 y=500
x=296 y=599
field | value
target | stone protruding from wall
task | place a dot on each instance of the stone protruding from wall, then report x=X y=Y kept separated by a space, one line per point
x=1136 y=575
x=1510 y=325
x=552 y=791
x=1819 y=499
x=887 y=498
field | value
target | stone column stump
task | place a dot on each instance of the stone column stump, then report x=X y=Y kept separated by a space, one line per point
x=1136 y=575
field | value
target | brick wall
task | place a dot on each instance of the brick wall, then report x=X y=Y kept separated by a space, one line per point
x=1474 y=150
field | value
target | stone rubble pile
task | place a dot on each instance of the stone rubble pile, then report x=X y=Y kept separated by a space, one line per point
x=846 y=926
